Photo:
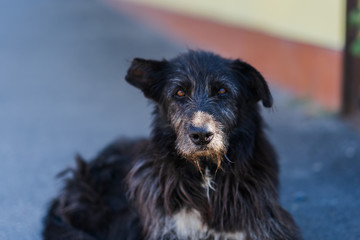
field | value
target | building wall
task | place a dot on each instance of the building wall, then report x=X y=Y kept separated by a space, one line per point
x=318 y=22
x=297 y=44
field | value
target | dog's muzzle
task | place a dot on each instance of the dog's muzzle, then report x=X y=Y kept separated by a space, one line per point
x=201 y=137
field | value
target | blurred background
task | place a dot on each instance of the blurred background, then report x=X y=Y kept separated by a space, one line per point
x=62 y=92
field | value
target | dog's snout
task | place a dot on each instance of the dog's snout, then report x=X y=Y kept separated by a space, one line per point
x=200 y=136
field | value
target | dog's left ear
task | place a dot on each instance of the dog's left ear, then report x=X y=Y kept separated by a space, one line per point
x=148 y=76
x=254 y=82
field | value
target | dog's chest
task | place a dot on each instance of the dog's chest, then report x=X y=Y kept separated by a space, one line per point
x=187 y=224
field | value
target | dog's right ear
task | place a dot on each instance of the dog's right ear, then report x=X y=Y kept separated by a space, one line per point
x=148 y=76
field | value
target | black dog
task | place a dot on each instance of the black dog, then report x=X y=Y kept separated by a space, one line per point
x=206 y=172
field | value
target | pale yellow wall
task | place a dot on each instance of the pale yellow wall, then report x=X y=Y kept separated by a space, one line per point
x=319 y=22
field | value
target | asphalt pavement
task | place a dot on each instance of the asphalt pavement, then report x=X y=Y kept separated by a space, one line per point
x=62 y=92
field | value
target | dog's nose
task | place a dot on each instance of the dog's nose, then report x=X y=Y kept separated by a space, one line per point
x=200 y=136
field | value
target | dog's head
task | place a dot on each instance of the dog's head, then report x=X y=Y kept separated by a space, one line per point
x=202 y=97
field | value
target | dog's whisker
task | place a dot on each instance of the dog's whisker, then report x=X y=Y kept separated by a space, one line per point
x=226 y=157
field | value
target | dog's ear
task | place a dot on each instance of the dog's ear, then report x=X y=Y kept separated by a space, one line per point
x=255 y=83
x=148 y=76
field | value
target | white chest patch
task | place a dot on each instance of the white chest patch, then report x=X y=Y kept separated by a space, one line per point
x=229 y=236
x=187 y=224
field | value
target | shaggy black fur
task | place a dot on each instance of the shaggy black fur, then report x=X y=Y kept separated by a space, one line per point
x=206 y=172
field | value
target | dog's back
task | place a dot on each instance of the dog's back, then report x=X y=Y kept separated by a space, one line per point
x=93 y=203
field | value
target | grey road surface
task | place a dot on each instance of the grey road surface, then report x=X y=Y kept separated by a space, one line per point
x=62 y=92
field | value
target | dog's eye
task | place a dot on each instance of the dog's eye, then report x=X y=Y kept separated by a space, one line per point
x=222 y=91
x=180 y=93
